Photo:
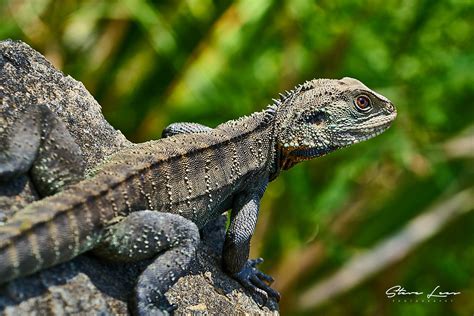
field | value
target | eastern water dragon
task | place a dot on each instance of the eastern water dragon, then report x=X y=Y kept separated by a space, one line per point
x=150 y=200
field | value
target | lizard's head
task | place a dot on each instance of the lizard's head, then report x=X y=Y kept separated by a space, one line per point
x=323 y=115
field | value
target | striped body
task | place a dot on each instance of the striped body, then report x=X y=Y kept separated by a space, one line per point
x=193 y=175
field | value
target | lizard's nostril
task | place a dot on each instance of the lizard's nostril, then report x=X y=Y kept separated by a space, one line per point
x=390 y=107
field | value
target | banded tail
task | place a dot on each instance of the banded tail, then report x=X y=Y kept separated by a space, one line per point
x=51 y=231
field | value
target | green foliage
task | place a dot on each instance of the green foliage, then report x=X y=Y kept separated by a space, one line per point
x=151 y=63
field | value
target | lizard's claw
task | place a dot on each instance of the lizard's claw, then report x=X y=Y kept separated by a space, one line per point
x=256 y=281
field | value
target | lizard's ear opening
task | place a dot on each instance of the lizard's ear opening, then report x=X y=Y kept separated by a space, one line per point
x=316 y=118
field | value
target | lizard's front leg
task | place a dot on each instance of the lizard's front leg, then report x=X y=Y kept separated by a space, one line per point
x=146 y=234
x=237 y=245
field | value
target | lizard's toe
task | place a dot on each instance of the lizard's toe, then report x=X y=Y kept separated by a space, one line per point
x=265 y=277
x=254 y=280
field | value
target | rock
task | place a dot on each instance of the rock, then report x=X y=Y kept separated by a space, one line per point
x=88 y=285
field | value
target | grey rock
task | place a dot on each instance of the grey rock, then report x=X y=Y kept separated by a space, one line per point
x=88 y=285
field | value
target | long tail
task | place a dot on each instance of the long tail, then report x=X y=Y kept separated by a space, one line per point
x=47 y=232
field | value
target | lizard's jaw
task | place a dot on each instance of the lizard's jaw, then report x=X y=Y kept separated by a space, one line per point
x=344 y=137
x=364 y=131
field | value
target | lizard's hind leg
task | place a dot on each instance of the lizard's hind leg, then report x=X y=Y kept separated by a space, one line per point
x=184 y=128
x=18 y=148
x=145 y=234
x=39 y=143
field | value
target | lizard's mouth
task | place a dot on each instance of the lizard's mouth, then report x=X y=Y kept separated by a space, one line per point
x=290 y=156
x=365 y=131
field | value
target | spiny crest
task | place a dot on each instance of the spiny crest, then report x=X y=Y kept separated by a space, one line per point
x=271 y=109
x=307 y=85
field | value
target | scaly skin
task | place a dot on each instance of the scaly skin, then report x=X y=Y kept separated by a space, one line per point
x=154 y=196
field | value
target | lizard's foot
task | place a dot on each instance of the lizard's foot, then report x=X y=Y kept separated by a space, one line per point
x=256 y=281
x=170 y=238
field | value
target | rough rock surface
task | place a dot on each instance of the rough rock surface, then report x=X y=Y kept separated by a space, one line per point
x=88 y=285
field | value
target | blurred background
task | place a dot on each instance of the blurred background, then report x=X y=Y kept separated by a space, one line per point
x=339 y=231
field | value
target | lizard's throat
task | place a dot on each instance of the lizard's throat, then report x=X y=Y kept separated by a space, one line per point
x=293 y=155
x=286 y=159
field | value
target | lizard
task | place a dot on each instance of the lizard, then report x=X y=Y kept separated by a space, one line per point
x=151 y=199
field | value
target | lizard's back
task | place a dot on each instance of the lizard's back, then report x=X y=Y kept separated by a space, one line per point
x=191 y=175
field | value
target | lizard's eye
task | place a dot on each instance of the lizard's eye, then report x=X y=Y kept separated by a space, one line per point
x=362 y=103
